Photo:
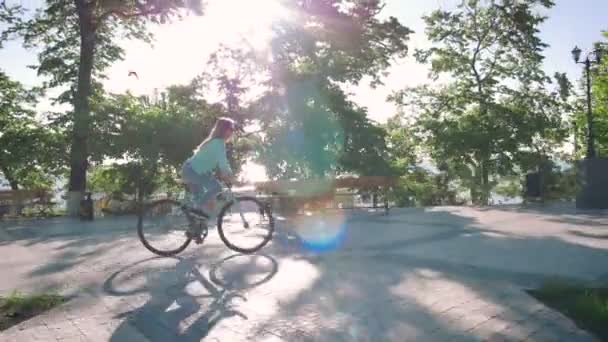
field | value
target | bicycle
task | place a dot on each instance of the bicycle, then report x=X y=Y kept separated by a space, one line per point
x=168 y=216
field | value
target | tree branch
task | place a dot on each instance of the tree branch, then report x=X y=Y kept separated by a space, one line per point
x=9 y=177
x=245 y=135
x=125 y=15
x=491 y=68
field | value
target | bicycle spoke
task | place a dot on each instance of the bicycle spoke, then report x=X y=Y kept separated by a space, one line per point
x=243 y=228
x=162 y=228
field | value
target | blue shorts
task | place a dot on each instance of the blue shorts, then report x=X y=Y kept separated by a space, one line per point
x=204 y=187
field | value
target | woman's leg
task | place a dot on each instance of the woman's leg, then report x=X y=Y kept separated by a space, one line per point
x=212 y=188
x=193 y=181
x=204 y=188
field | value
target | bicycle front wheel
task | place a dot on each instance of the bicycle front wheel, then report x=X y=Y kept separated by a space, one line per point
x=245 y=225
x=162 y=227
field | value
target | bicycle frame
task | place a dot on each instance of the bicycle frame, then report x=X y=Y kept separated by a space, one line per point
x=237 y=204
x=230 y=197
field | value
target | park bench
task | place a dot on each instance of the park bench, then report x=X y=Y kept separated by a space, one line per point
x=293 y=196
x=12 y=202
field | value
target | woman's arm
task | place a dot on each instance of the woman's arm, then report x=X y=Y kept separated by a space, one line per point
x=228 y=178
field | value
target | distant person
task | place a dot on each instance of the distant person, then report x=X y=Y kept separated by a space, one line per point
x=209 y=162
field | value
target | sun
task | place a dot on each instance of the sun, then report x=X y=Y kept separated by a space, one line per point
x=249 y=19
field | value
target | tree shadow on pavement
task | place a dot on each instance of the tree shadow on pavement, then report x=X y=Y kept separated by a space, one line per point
x=589 y=235
x=32 y=232
x=560 y=212
x=60 y=253
x=416 y=275
x=187 y=302
x=456 y=282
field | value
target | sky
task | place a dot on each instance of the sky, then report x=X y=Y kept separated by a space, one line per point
x=181 y=49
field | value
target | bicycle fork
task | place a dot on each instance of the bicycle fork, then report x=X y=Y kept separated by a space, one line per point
x=237 y=204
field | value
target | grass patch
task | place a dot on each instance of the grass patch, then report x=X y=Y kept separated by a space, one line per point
x=587 y=307
x=19 y=307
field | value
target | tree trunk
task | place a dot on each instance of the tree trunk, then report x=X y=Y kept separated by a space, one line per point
x=10 y=178
x=485 y=183
x=17 y=205
x=472 y=194
x=79 y=150
x=475 y=186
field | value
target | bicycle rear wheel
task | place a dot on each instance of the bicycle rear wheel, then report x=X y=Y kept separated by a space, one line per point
x=245 y=225
x=162 y=227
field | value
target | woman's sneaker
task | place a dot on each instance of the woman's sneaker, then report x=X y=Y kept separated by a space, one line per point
x=197 y=229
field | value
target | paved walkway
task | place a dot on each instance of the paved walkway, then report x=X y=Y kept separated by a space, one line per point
x=443 y=274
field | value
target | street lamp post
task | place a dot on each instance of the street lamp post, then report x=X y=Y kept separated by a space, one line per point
x=576 y=55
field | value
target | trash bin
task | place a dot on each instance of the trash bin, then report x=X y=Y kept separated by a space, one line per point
x=86 y=208
x=533 y=185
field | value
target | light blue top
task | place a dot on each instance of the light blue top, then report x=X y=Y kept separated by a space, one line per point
x=210 y=156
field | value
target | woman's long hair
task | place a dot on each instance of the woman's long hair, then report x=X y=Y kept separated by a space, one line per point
x=222 y=125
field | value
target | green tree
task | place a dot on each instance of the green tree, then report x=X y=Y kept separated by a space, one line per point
x=29 y=151
x=150 y=140
x=143 y=147
x=311 y=129
x=600 y=98
x=577 y=105
x=495 y=104
x=78 y=39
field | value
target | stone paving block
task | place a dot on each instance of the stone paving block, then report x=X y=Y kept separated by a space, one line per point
x=267 y=337
x=56 y=316
x=471 y=320
x=115 y=305
x=453 y=319
x=260 y=305
x=283 y=327
x=435 y=336
x=581 y=336
x=498 y=337
x=300 y=336
x=33 y=322
x=389 y=314
x=555 y=320
x=128 y=333
x=93 y=329
x=401 y=330
x=446 y=305
x=491 y=309
x=63 y=330
x=113 y=322
x=224 y=334
x=79 y=307
x=137 y=301
x=525 y=303
x=491 y=327
x=422 y=321
x=150 y=327
x=478 y=304
x=465 y=337
x=17 y=336
x=523 y=330
x=80 y=338
x=548 y=335
x=41 y=333
x=254 y=333
x=512 y=316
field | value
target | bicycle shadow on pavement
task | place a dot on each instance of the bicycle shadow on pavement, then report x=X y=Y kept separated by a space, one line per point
x=186 y=302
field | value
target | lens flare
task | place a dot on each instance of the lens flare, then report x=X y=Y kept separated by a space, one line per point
x=321 y=233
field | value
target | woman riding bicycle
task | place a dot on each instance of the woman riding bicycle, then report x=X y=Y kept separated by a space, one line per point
x=198 y=172
x=244 y=223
